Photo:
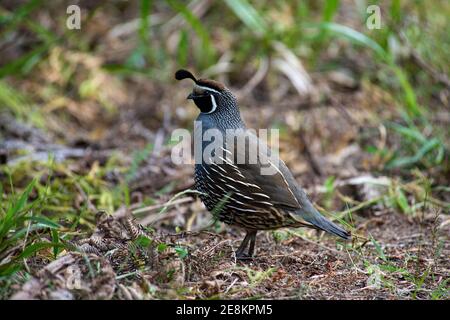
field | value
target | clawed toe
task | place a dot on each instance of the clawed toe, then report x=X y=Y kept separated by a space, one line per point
x=243 y=256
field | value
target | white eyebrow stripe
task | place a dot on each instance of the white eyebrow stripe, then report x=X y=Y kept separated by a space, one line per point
x=213 y=101
x=207 y=88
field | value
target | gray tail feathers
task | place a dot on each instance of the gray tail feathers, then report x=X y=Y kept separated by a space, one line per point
x=320 y=222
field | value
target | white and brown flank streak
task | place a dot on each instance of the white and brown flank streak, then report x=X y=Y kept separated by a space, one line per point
x=245 y=203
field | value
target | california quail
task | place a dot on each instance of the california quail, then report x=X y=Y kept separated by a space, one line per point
x=236 y=191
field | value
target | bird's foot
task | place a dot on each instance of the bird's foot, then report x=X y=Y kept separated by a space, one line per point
x=241 y=256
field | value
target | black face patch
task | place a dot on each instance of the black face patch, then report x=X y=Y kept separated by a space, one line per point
x=204 y=103
x=204 y=92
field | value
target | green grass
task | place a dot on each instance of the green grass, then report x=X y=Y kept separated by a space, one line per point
x=40 y=206
x=45 y=210
x=19 y=219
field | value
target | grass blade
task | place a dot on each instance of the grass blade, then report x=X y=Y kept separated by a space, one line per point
x=355 y=37
x=248 y=15
x=14 y=208
x=409 y=161
x=206 y=52
x=330 y=9
x=35 y=247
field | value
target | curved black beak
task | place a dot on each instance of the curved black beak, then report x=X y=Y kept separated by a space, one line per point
x=190 y=96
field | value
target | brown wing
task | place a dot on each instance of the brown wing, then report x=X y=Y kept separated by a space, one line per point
x=241 y=168
x=265 y=201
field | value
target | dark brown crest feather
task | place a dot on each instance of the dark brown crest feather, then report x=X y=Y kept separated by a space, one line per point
x=184 y=74
x=211 y=84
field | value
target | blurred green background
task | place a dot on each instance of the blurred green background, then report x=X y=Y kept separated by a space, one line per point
x=87 y=113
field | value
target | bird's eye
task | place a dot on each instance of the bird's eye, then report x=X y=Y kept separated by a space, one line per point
x=206 y=103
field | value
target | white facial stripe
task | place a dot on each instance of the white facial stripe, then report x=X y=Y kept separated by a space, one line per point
x=214 y=104
x=207 y=88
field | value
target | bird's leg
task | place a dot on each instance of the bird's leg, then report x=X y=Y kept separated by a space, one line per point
x=250 y=236
x=251 y=249
x=242 y=247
